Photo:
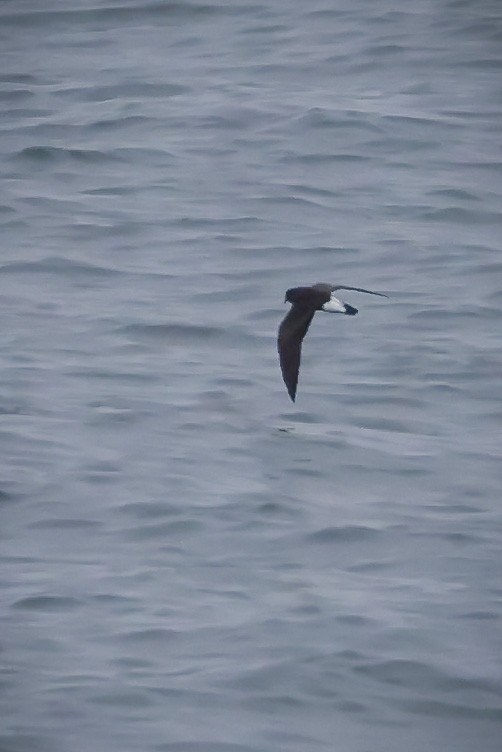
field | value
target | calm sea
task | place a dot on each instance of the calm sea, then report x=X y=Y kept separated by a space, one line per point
x=189 y=562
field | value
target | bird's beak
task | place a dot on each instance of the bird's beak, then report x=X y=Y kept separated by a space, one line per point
x=285 y=299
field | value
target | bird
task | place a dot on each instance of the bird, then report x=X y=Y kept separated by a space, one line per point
x=305 y=302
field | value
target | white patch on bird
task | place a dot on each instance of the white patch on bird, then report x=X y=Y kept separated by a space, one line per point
x=334 y=305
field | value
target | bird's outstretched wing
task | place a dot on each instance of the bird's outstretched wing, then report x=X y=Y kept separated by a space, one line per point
x=358 y=289
x=289 y=344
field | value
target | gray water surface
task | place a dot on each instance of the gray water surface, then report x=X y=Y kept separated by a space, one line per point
x=189 y=562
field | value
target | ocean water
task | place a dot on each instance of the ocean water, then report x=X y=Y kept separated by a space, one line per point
x=189 y=562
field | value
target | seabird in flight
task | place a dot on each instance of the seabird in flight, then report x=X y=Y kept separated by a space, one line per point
x=305 y=302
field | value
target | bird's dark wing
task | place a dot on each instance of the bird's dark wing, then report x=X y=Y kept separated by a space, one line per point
x=358 y=289
x=289 y=344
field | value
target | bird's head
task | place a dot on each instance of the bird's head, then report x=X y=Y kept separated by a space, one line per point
x=298 y=295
